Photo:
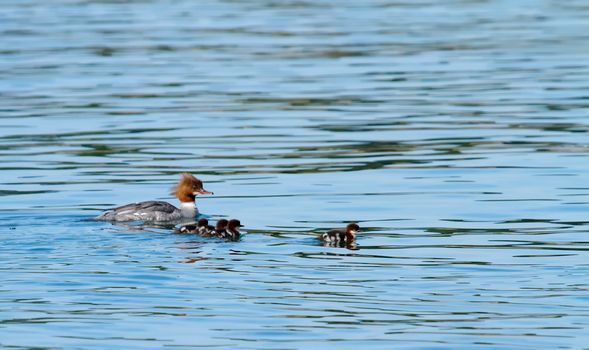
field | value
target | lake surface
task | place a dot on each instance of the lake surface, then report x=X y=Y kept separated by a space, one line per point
x=455 y=133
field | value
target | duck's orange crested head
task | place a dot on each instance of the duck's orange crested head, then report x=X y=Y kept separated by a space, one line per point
x=188 y=187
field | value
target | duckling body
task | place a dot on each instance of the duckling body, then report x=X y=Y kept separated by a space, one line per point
x=345 y=236
x=225 y=229
x=201 y=228
x=232 y=233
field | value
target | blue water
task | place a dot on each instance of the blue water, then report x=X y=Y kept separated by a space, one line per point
x=454 y=133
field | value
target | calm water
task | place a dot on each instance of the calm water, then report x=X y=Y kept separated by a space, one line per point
x=454 y=133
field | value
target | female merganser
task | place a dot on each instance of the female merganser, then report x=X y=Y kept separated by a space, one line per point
x=346 y=236
x=202 y=228
x=186 y=190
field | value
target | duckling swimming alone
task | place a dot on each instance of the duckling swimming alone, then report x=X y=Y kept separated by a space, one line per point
x=346 y=236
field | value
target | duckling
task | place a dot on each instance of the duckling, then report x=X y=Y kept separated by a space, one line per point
x=232 y=230
x=346 y=236
x=220 y=228
x=202 y=228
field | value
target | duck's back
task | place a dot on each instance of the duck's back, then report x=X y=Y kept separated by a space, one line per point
x=146 y=211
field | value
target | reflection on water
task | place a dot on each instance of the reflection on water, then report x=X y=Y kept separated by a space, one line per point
x=455 y=133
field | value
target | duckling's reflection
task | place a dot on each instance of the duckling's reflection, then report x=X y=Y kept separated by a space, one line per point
x=348 y=245
x=192 y=251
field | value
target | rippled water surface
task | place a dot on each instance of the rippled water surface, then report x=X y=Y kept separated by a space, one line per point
x=455 y=133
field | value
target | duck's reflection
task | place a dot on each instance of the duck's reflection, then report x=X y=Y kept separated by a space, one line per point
x=348 y=245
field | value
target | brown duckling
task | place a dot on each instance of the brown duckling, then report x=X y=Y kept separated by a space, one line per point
x=220 y=228
x=346 y=236
x=202 y=228
x=232 y=230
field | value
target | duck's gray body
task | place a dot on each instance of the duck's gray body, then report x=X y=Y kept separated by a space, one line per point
x=149 y=211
